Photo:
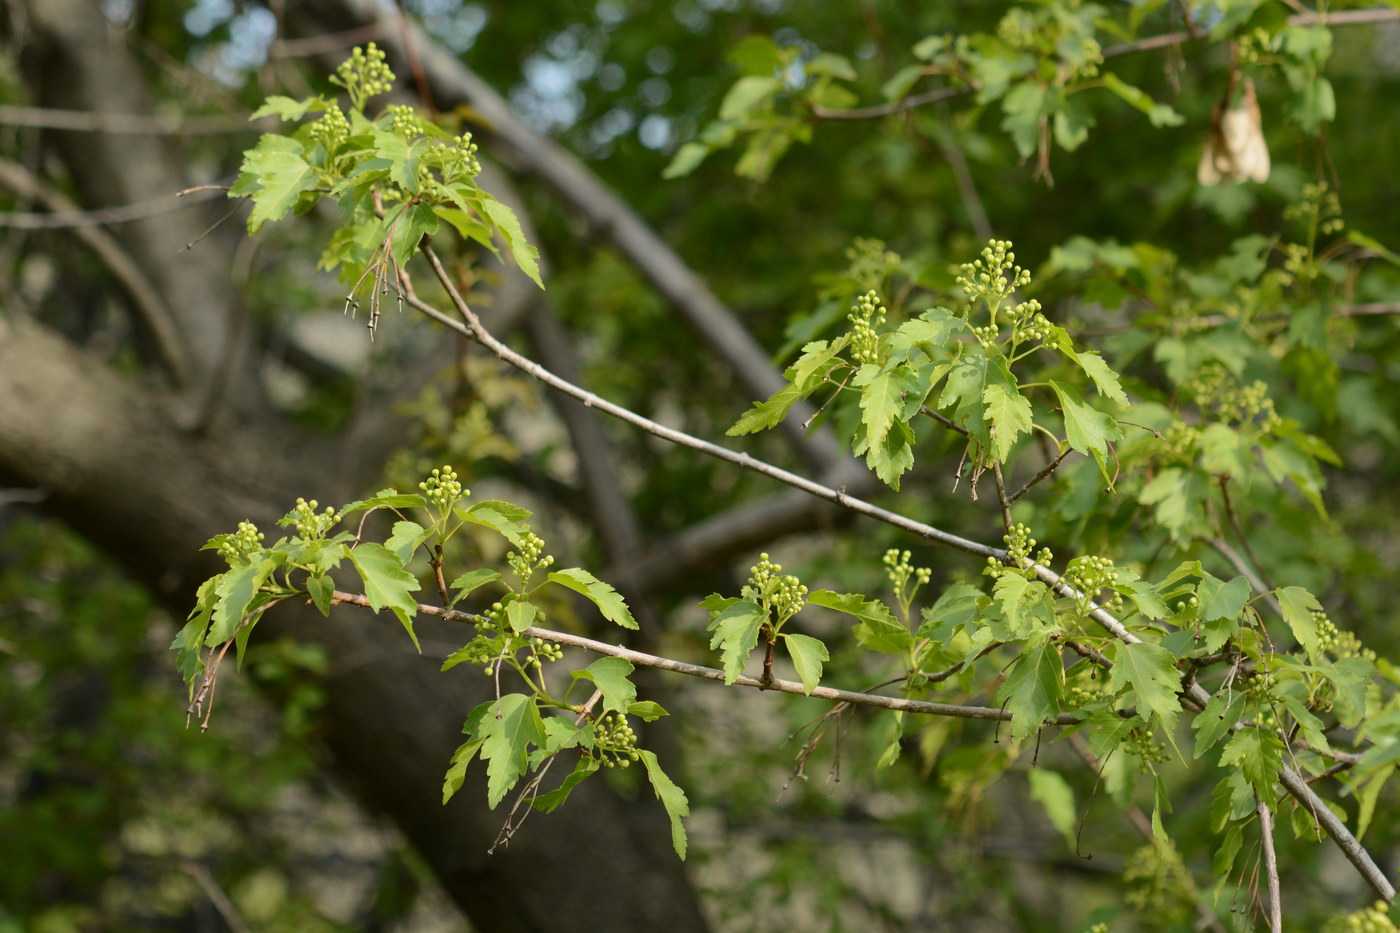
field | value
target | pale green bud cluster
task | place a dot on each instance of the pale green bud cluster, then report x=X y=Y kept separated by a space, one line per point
x=870 y=261
x=236 y=547
x=544 y=651
x=528 y=559
x=994 y=276
x=1090 y=573
x=458 y=158
x=1146 y=747
x=1337 y=642
x=1260 y=684
x=404 y=121
x=442 y=488
x=867 y=314
x=331 y=129
x=364 y=74
x=614 y=741
x=1216 y=392
x=1028 y=325
x=1042 y=33
x=899 y=571
x=1319 y=206
x=1019 y=545
x=1373 y=919
x=1158 y=883
x=309 y=523
x=784 y=595
x=484 y=650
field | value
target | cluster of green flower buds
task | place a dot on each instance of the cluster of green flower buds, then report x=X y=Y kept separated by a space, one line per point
x=543 y=652
x=871 y=262
x=484 y=649
x=1081 y=695
x=899 y=571
x=1260 y=683
x=404 y=121
x=1146 y=747
x=1091 y=573
x=364 y=74
x=1028 y=324
x=309 y=523
x=442 y=488
x=994 y=276
x=1337 y=642
x=614 y=741
x=1373 y=919
x=528 y=559
x=867 y=314
x=1044 y=33
x=783 y=595
x=236 y=547
x=1179 y=442
x=1220 y=395
x=331 y=129
x=1019 y=545
x=457 y=158
x=1319 y=206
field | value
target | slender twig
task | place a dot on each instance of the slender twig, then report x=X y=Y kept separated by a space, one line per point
x=1243 y=538
x=125 y=213
x=643 y=659
x=1044 y=472
x=1266 y=839
x=942 y=419
x=126 y=124
x=1344 y=18
x=528 y=793
x=471 y=327
x=1001 y=496
x=216 y=895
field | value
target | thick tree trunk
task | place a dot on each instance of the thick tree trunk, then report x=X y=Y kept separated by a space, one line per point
x=116 y=463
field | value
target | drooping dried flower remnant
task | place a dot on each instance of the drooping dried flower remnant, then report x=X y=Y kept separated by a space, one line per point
x=1236 y=150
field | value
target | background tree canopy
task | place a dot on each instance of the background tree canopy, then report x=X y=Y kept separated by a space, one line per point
x=1206 y=332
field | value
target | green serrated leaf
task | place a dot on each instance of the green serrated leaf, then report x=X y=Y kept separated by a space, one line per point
x=736 y=633
x=281 y=175
x=1007 y=410
x=672 y=798
x=508 y=728
x=472 y=580
x=501 y=517
x=387 y=583
x=609 y=602
x=745 y=94
x=1297 y=606
x=1222 y=600
x=464 y=754
x=768 y=413
x=877 y=630
x=1033 y=689
x=237 y=593
x=505 y=221
x=808 y=655
x=405 y=539
x=1019 y=599
x=610 y=676
x=686 y=160
x=1259 y=755
x=1217 y=719
x=387 y=499
x=279 y=105
x=417 y=221
x=1102 y=375
x=1150 y=672
x=1087 y=429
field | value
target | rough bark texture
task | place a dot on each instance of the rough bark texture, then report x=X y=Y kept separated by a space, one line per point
x=116 y=461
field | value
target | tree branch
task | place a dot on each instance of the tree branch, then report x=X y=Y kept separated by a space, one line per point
x=641 y=658
x=1266 y=839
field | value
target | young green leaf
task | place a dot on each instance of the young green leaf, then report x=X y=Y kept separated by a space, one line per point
x=321 y=589
x=877 y=630
x=1087 y=429
x=237 y=592
x=457 y=772
x=1150 y=672
x=505 y=221
x=610 y=676
x=501 y=517
x=646 y=710
x=1298 y=605
x=672 y=798
x=387 y=583
x=1053 y=793
x=276 y=167
x=509 y=727
x=548 y=803
x=405 y=539
x=609 y=602
x=520 y=615
x=1217 y=719
x=736 y=632
x=1259 y=754
x=1034 y=688
x=1007 y=410
x=808 y=654
x=470 y=581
